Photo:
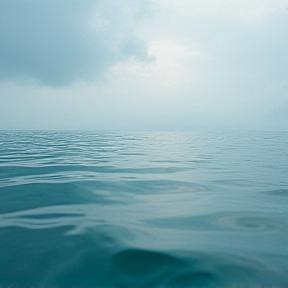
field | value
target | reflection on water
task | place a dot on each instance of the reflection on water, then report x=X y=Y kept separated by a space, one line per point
x=149 y=209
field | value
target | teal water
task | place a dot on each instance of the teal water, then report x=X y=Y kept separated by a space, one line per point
x=143 y=209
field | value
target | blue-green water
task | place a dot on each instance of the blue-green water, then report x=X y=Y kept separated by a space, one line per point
x=143 y=209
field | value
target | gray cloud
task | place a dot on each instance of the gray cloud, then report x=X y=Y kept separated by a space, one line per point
x=58 y=42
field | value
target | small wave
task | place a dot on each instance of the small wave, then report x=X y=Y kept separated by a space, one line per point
x=250 y=223
x=246 y=222
x=278 y=192
x=138 y=267
x=148 y=268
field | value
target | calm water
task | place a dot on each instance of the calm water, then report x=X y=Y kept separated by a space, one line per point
x=149 y=209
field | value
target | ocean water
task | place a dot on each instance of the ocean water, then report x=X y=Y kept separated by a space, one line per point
x=143 y=209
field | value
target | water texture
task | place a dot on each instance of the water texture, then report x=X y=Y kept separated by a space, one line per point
x=143 y=209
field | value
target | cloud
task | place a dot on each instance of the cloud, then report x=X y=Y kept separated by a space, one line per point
x=58 y=42
x=173 y=66
x=214 y=65
x=246 y=42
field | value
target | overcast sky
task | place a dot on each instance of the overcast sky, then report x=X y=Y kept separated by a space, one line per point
x=144 y=65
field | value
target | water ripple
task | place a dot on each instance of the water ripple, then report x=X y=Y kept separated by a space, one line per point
x=143 y=209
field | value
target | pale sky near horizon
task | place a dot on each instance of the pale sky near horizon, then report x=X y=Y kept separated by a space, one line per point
x=144 y=64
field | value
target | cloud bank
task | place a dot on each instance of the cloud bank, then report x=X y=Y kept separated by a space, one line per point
x=58 y=42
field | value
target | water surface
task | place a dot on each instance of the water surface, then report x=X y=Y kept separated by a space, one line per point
x=143 y=209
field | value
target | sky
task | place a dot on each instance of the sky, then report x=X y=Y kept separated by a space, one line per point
x=144 y=64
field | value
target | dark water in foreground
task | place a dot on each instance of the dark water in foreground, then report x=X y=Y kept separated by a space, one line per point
x=149 y=209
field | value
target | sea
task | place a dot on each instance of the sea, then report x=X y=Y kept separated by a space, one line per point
x=143 y=209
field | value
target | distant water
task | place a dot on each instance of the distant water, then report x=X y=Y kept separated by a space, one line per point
x=143 y=209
